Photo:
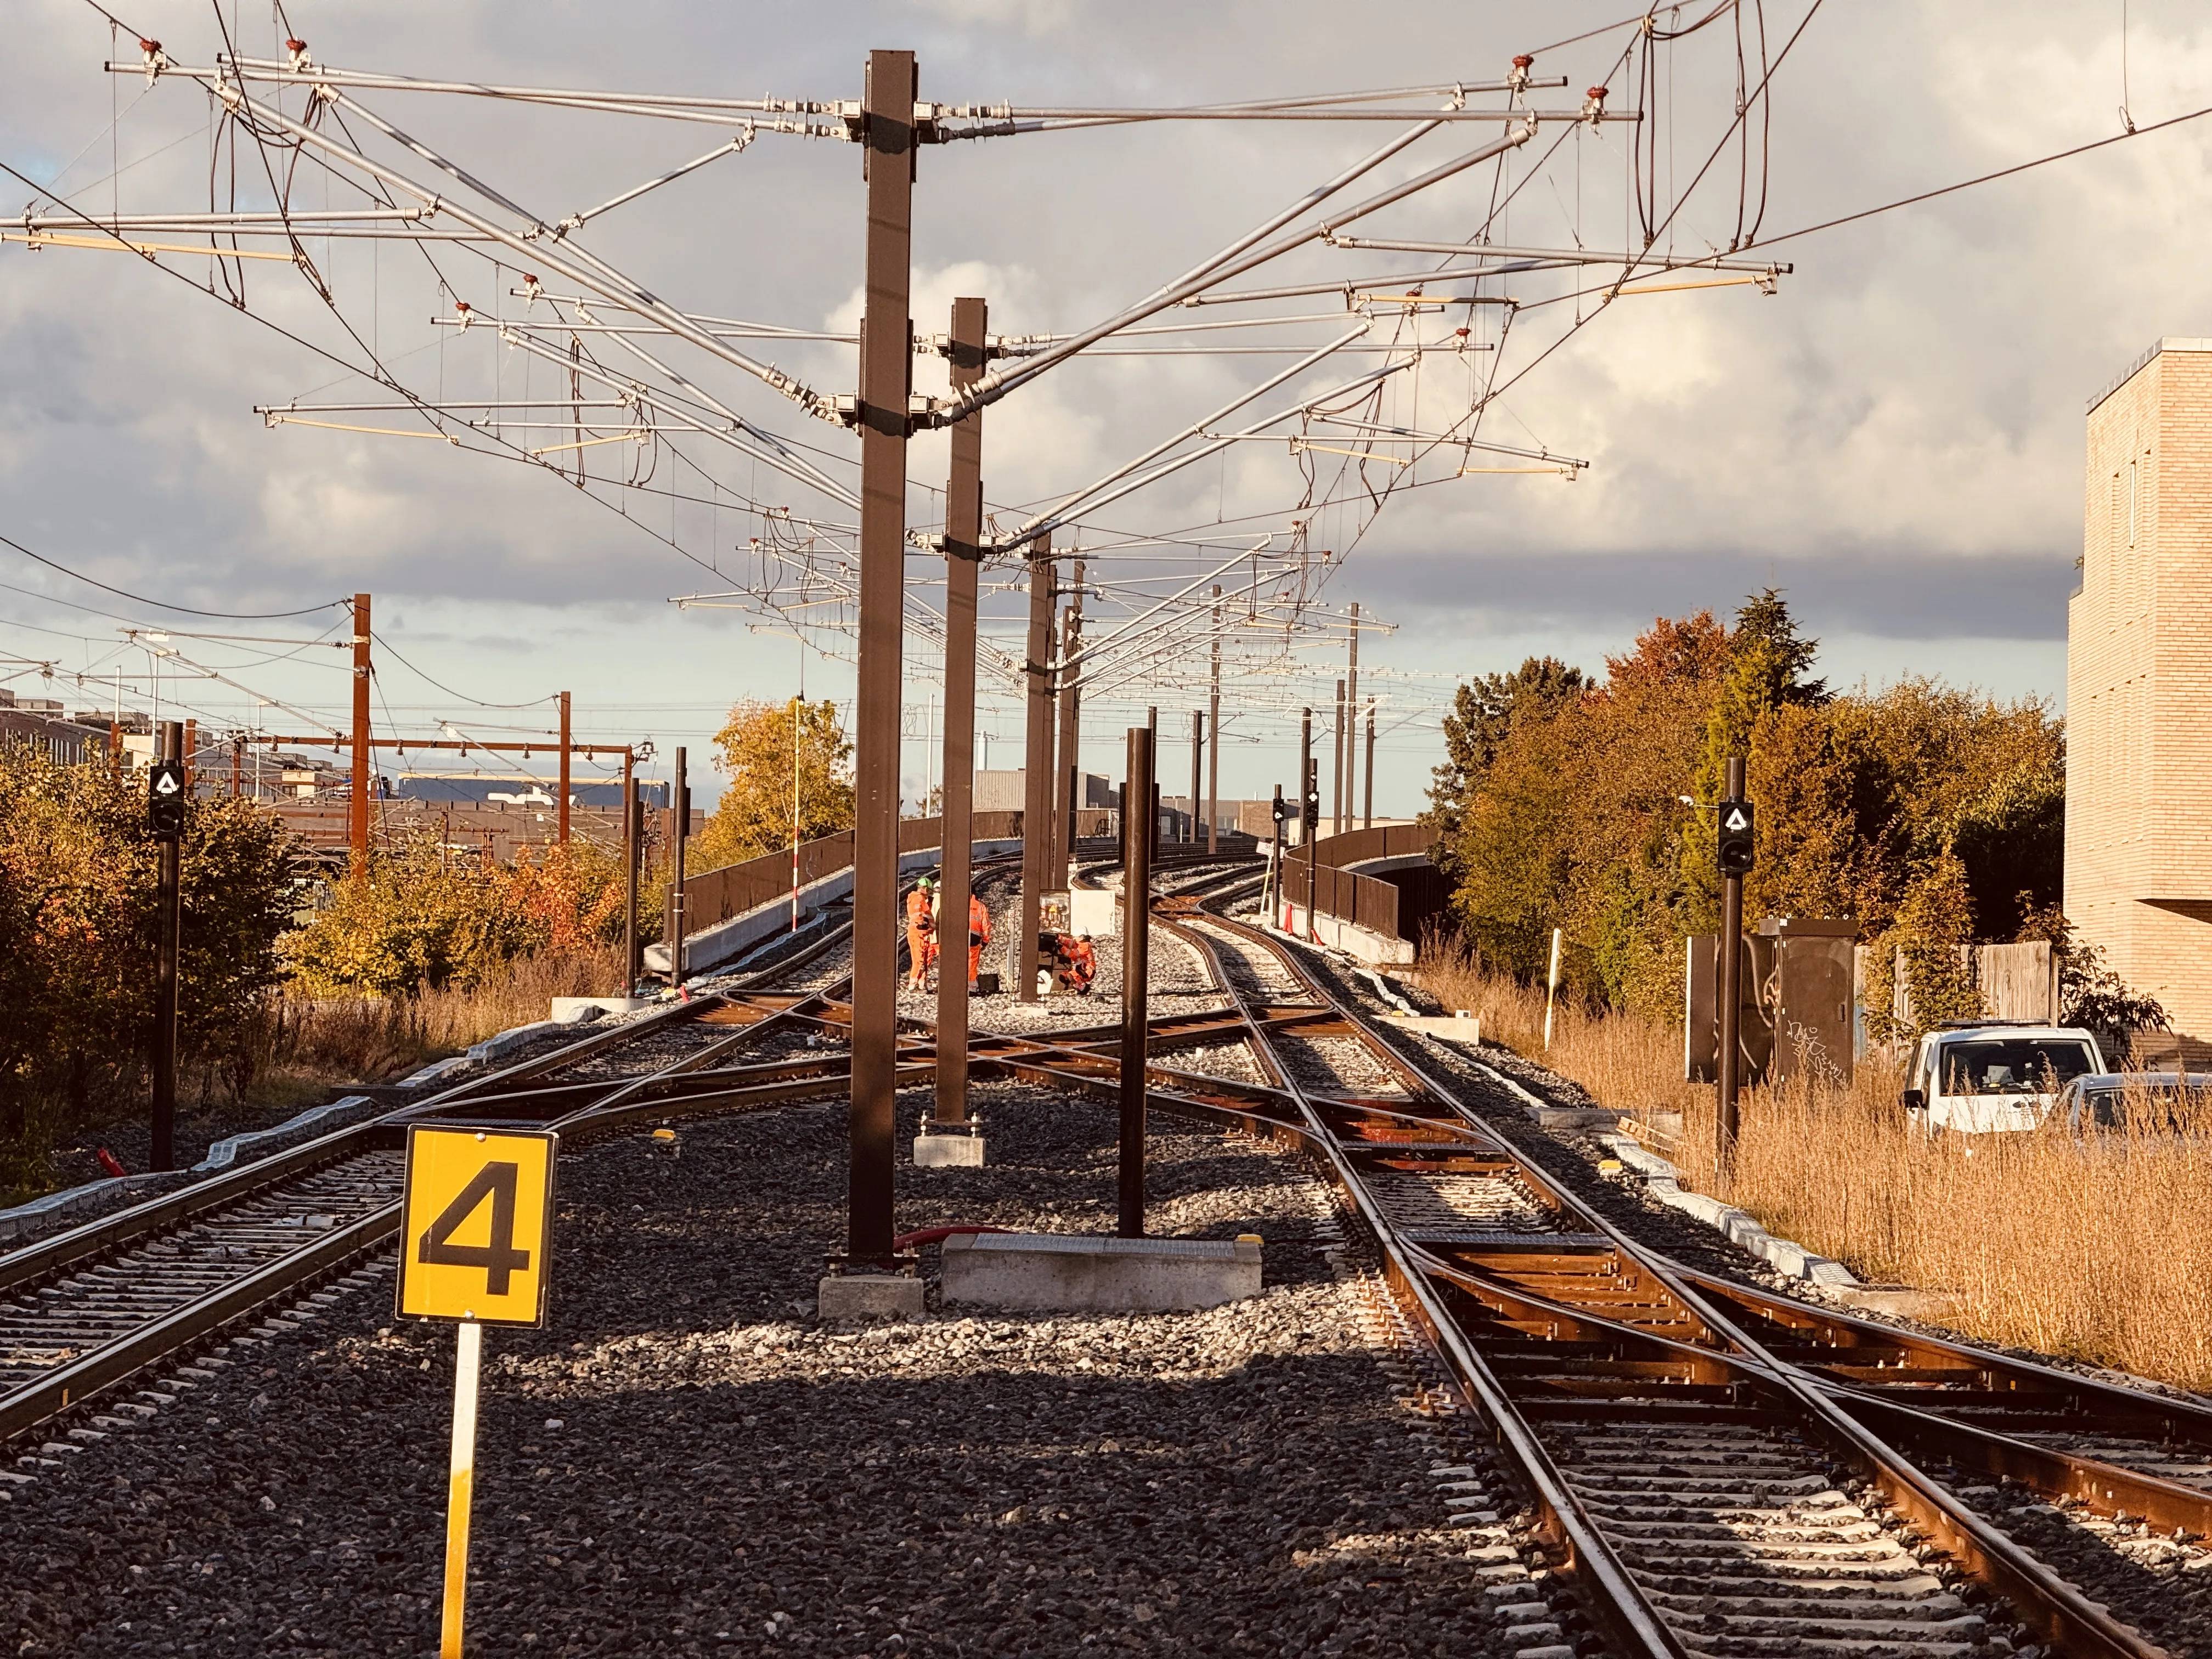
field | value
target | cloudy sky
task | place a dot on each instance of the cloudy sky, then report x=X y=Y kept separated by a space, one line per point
x=1894 y=437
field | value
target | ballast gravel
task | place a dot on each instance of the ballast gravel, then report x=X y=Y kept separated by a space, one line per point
x=688 y=1461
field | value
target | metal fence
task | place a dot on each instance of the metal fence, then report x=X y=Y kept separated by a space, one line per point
x=1365 y=902
x=715 y=895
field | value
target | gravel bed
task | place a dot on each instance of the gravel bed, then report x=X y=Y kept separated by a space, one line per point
x=687 y=1461
x=2162 y=1586
x=1233 y=1061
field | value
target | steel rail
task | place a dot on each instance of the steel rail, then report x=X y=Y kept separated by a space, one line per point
x=2056 y=1611
x=1631 y=1623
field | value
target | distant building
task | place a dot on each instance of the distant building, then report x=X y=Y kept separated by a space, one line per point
x=39 y=722
x=1001 y=792
x=2139 y=684
x=472 y=787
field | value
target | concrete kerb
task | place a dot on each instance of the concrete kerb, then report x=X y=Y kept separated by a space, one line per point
x=1662 y=1180
x=114 y=1192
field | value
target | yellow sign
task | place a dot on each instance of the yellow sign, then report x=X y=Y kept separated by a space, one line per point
x=476 y=1232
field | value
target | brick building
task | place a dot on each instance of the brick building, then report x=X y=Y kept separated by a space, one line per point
x=2139 y=684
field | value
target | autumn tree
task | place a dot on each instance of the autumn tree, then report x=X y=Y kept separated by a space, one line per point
x=78 y=927
x=1930 y=814
x=754 y=749
x=415 y=918
x=1482 y=715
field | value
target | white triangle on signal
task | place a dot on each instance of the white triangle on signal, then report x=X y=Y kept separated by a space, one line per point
x=1737 y=821
x=166 y=784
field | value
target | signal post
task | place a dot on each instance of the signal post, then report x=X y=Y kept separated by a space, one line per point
x=1736 y=845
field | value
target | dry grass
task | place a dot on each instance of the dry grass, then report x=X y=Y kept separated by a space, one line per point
x=2097 y=1250
x=373 y=1040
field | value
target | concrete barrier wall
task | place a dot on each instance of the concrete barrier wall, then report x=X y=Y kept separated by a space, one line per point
x=1352 y=939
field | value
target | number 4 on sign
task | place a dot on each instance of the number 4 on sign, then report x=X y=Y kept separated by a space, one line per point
x=476 y=1232
x=476 y=1224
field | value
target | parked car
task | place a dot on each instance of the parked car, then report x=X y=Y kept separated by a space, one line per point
x=1996 y=1077
x=2155 y=1101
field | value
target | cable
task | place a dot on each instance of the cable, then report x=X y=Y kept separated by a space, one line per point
x=478 y=703
x=1987 y=178
x=163 y=605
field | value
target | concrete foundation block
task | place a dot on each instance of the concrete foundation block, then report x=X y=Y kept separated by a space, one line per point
x=955 y=1150
x=1900 y=1301
x=1076 y=1271
x=569 y=1011
x=1453 y=1028
x=869 y=1296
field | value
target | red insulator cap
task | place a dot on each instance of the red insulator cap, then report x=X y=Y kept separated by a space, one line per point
x=150 y=46
x=295 y=45
x=461 y=304
x=1597 y=93
x=1522 y=59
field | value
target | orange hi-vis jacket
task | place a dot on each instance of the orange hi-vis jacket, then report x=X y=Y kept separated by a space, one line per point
x=918 y=918
x=979 y=920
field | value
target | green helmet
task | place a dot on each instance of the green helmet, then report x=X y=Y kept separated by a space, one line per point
x=927 y=883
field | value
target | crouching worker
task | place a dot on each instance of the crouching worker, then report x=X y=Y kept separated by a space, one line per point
x=1076 y=962
x=920 y=933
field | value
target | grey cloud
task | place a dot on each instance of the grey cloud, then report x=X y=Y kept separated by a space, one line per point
x=1901 y=594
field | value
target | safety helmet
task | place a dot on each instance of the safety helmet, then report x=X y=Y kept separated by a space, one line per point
x=1086 y=938
x=926 y=883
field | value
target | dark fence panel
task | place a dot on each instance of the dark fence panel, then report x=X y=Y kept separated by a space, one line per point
x=1374 y=903
x=715 y=895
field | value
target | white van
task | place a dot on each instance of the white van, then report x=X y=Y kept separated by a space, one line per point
x=1988 y=1079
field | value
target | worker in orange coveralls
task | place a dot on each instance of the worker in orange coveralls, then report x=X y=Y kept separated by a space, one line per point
x=979 y=935
x=1077 y=961
x=920 y=933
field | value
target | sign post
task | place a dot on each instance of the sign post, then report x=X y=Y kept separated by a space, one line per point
x=476 y=1232
x=166 y=791
x=1737 y=843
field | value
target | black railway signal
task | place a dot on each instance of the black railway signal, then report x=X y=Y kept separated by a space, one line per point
x=1737 y=837
x=165 y=800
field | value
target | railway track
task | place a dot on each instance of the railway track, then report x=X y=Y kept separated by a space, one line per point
x=94 y=1307
x=1721 y=1470
x=1715 y=1470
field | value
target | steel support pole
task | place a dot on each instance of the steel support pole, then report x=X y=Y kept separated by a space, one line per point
x=1351 y=718
x=679 y=837
x=1036 y=767
x=963 y=554
x=885 y=388
x=562 y=818
x=1197 y=760
x=1152 y=728
x=1275 y=865
x=1070 y=768
x=357 y=797
x=1336 y=784
x=1214 y=731
x=1731 y=999
x=1367 y=816
x=1136 y=970
x=1306 y=826
x=170 y=742
x=630 y=839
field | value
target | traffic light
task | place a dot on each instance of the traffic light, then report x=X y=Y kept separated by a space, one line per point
x=165 y=800
x=1284 y=809
x=1737 y=837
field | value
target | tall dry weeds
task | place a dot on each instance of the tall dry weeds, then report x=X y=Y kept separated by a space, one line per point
x=2097 y=1247
x=376 y=1039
